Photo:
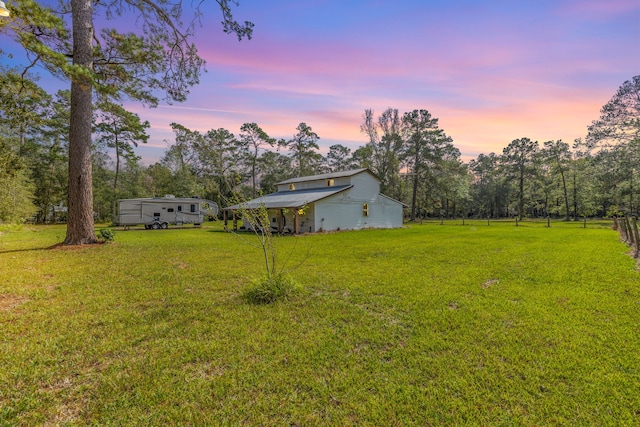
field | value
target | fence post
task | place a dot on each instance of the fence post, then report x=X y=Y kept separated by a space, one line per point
x=516 y=221
x=548 y=221
x=623 y=230
x=628 y=235
x=636 y=237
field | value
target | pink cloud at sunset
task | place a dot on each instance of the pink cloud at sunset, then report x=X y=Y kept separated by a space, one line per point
x=491 y=71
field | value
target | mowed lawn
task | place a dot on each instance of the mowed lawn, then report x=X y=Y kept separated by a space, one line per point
x=424 y=325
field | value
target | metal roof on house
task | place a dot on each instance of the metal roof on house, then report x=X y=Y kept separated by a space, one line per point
x=290 y=199
x=325 y=176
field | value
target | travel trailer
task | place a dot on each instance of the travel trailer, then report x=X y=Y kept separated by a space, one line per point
x=158 y=212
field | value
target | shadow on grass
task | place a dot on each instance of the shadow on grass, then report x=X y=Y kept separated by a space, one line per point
x=11 y=251
x=57 y=246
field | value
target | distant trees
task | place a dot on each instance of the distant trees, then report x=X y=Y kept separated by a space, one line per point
x=23 y=106
x=558 y=155
x=619 y=120
x=415 y=161
x=339 y=158
x=218 y=164
x=489 y=189
x=302 y=150
x=120 y=130
x=518 y=163
x=16 y=190
x=426 y=147
x=617 y=133
x=386 y=147
x=34 y=132
x=252 y=140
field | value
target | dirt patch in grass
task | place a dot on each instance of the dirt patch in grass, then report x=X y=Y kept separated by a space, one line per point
x=489 y=283
x=8 y=301
x=66 y=413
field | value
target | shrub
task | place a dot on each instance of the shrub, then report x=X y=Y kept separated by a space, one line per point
x=107 y=235
x=271 y=289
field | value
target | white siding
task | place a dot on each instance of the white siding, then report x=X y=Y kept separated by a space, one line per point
x=385 y=213
x=338 y=213
x=365 y=188
x=308 y=185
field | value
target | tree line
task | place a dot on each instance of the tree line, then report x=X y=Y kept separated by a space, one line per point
x=414 y=158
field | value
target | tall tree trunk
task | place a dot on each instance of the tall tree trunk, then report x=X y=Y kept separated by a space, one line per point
x=521 y=195
x=631 y=193
x=117 y=172
x=566 y=196
x=414 y=195
x=575 y=196
x=80 y=228
x=115 y=181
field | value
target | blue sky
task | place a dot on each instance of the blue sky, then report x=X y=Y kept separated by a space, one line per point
x=491 y=71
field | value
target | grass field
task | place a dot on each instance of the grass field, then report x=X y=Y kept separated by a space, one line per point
x=425 y=325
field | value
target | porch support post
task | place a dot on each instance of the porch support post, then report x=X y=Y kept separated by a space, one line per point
x=280 y=215
x=226 y=220
x=296 y=221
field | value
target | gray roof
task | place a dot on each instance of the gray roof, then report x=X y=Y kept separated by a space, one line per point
x=325 y=176
x=290 y=199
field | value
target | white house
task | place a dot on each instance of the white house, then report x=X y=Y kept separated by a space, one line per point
x=348 y=200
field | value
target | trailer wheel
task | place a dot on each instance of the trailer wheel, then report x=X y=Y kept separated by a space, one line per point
x=146 y=226
x=164 y=226
x=155 y=226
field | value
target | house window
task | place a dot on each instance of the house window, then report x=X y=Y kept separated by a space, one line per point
x=365 y=209
x=193 y=208
x=292 y=187
x=330 y=182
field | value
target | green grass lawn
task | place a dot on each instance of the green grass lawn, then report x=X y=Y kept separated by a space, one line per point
x=425 y=325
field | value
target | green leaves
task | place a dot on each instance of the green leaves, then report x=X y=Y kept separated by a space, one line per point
x=302 y=150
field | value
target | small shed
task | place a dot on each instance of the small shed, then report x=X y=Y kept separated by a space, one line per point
x=348 y=200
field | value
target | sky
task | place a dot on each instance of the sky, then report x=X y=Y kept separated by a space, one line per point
x=490 y=71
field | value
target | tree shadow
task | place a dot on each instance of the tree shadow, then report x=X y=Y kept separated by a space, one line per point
x=57 y=246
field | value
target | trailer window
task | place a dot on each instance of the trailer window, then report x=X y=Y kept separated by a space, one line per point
x=193 y=208
x=170 y=210
x=179 y=208
x=156 y=214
